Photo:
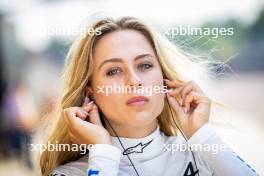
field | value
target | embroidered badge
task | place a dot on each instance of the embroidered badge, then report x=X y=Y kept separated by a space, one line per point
x=190 y=170
x=92 y=172
x=137 y=148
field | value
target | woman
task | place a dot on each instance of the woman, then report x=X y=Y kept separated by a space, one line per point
x=132 y=133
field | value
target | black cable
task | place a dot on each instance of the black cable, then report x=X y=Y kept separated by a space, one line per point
x=182 y=135
x=122 y=146
x=176 y=127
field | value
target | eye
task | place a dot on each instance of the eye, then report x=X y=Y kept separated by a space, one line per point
x=113 y=71
x=145 y=66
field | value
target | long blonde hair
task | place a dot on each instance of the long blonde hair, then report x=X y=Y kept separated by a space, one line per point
x=175 y=65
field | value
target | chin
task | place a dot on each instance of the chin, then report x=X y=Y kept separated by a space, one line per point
x=140 y=118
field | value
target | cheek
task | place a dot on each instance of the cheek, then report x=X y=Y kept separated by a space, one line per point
x=153 y=77
x=109 y=103
x=157 y=102
x=157 y=96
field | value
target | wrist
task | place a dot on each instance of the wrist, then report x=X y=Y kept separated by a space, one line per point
x=189 y=132
x=104 y=140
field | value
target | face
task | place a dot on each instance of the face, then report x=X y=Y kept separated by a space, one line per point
x=126 y=59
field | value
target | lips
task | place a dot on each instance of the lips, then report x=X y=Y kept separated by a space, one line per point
x=139 y=100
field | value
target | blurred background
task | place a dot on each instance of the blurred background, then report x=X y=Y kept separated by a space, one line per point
x=36 y=34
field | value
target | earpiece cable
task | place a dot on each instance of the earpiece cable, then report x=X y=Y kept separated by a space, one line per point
x=176 y=127
x=122 y=146
x=185 y=138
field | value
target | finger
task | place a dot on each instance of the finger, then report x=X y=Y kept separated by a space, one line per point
x=72 y=118
x=188 y=100
x=86 y=101
x=82 y=114
x=188 y=87
x=94 y=116
x=192 y=98
x=74 y=112
x=177 y=89
x=175 y=92
x=174 y=103
x=88 y=106
x=171 y=84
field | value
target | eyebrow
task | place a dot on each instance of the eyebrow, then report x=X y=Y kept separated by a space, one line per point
x=121 y=60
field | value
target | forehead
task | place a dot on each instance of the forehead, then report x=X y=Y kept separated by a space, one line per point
x=124 y=44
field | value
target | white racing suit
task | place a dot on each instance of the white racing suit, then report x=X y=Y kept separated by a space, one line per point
x=160 y=155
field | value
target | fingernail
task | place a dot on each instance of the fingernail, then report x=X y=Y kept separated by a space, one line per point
x=86 y=99
x=90 y=102
x=185 y=109
x=85 y=113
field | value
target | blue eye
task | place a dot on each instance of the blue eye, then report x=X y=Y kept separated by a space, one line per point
x=145 y=66
x=113 y=72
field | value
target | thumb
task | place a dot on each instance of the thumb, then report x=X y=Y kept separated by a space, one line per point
x=94 y=116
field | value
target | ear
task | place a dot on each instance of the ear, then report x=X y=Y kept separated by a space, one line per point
x=89 y=92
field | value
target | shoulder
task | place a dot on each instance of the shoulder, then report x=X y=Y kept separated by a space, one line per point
x=74 y=168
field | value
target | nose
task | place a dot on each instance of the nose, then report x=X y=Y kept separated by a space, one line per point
x=133 y=79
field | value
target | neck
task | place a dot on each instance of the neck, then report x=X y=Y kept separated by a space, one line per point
x=132 y=131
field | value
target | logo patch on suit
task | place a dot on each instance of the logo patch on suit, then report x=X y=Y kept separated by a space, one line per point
x=137 y=148
x=190 y=170
x=92 y=172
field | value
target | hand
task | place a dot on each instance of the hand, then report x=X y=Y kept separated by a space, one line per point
x=84 y=124
x=192 y=107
